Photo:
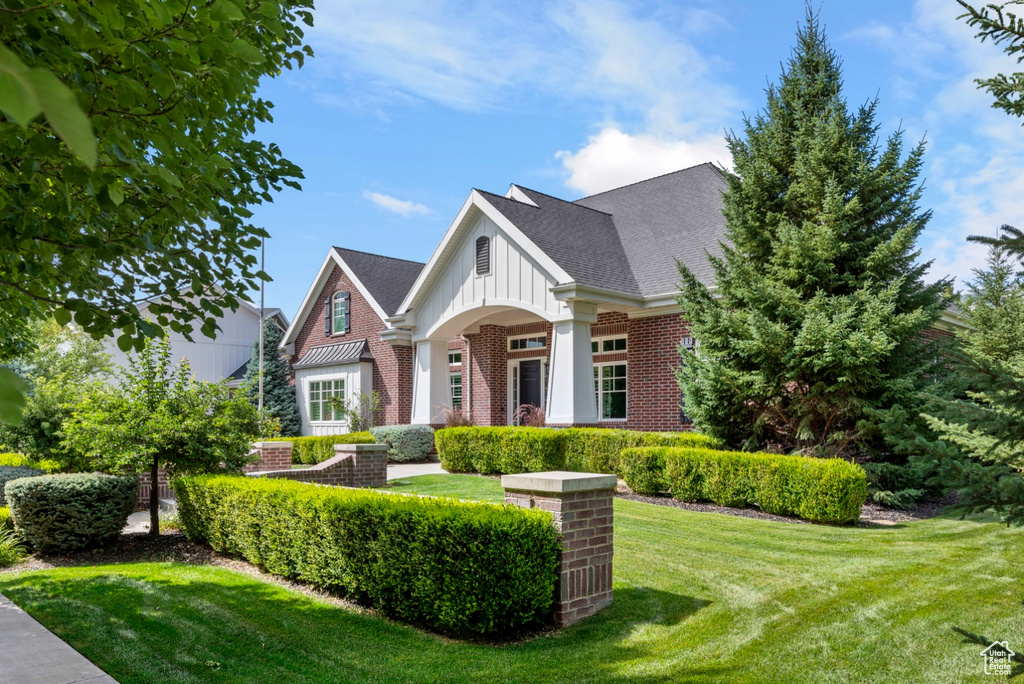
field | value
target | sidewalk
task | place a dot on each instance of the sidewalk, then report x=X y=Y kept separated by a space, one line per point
x=32 y=654
x=397 y=471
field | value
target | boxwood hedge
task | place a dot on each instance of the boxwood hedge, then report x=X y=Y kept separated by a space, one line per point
x=61 y=513
x=526 y=449
x=454 y=567
x=313 y=450
x=820 y=489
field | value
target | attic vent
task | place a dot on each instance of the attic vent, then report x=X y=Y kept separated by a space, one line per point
x=483 y=256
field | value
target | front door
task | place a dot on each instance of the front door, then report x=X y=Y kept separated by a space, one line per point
x=530 y=383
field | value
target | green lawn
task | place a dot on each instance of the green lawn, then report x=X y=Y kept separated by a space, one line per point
x=698 y=597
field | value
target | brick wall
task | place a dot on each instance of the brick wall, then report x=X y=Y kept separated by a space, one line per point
x=652 y=394
x=488 y=371
x=392 y=368
x=353 y=465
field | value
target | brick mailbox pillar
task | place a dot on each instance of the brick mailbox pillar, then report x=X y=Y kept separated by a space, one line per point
x=581 y=505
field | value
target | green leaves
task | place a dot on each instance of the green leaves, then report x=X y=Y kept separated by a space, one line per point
x=12 y=396
x=24 y=93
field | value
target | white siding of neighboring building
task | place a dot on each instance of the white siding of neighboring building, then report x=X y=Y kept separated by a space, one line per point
x=358 y=378
x=210 y=360
x=516 y=279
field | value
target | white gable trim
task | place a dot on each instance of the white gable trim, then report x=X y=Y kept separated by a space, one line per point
x=332 y=259
x=477 y=202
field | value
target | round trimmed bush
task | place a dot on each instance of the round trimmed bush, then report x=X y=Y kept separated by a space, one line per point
x=9 y=473
x=61 y=513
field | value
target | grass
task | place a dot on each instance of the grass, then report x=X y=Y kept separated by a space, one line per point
x=698 y=597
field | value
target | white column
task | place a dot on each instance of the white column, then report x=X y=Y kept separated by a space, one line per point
x=571 y=387
x=430 y=393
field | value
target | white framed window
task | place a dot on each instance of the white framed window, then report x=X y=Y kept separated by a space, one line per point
x=608 y=345
x=455 y=389
x=455 y=358
x=531 y=342
x=610 y=388
x=320 y=394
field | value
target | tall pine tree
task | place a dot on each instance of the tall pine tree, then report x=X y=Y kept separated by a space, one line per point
x=278 y=393
x=818 y=306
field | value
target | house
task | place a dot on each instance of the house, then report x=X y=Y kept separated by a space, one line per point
x=528 y=299
x=222 y=358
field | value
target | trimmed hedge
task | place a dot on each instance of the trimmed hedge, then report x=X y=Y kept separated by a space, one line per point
x=526 y=449
x=455 y=567
x=6 y=521
x=61 y=513
x=313 y=450
x=820 y=489
x=405 y=442
x=10 y=473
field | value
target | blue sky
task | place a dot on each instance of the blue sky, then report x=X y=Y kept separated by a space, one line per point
x=407 y=106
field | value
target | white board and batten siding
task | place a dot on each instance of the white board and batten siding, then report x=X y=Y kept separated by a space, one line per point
x=358 y=378
x=211 y=360
x=515 y=279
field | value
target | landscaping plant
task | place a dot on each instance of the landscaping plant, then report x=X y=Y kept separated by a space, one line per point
x=64 y=513
x=456 y=567
x=159 y=415
x=313 y=450
x=405 y=442
x=278 y=393
x=818 y=305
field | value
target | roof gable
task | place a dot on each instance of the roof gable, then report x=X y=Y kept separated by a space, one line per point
x=386 y=279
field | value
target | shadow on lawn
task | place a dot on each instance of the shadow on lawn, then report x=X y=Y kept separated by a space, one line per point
x=127 y=621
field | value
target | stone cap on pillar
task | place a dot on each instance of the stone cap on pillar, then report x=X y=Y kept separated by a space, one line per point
x=558 y=481
x=357 y=448
x=264 y=445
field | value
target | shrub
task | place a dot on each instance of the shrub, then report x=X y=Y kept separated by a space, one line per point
x=456 y=567
x=313 y=450
x=61 y=513
x=10 y=473
x=500 y=449
x=526 y=449
x=644 y=470
x=819 y=489
x=15 y=459
x=596 y=450
x=454 y=417
x=11 y=548
x=405 y=442
x=6 y=521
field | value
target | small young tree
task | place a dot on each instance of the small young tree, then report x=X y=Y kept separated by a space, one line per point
x=278 y=393
x=160 y=416
x=360 y=411
x=819 y=304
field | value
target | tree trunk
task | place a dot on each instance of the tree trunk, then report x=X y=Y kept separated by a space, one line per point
x=154 y=498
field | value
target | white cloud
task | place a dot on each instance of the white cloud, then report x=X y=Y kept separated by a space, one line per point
x=395 y=205
x=612 y=158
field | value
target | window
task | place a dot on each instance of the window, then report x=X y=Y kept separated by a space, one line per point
x=339 y=312
x=610 y=388
x=454 y=358
x=320 y=394
x=455 y=388
x=483 y=256
x=520 y=343
x=608 y=345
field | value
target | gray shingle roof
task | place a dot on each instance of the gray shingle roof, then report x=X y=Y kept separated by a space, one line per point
x=239 y=373
x=350 y=351
x=628 y=239
x=386 y=279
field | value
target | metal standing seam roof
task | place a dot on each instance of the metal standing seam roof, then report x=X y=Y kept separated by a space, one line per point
x=351 y=351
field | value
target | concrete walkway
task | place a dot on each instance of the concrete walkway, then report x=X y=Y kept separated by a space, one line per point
x=397 y=471
x=32 y=654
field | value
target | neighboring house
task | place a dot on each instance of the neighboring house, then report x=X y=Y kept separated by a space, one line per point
x=222 y=358
x=528 y=299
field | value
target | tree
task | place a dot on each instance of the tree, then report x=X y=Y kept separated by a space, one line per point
x=819 y=306
x=278 y=393
x=996 y=24
x=61 y=366
x=160 y=416
x=161 y=210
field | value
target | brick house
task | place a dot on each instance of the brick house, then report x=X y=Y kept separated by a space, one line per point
x=528 y=299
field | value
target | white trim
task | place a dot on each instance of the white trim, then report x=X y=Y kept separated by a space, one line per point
x=476 y=201
x=545 y=369
x=600 y=414
x=601 y=338
x=318 y=283
x=516 y=194
x=527 y=336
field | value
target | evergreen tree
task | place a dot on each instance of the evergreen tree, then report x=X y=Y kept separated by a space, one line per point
x=819 y=304
x=278 y=393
